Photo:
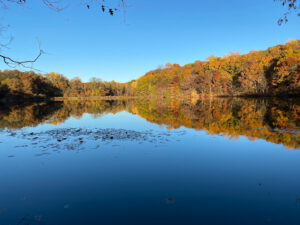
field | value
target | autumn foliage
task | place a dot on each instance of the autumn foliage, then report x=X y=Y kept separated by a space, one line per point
x=256 y=118
x=272 y=72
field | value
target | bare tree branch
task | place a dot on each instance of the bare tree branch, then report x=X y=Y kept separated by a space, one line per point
x=292 y=6
x=8 y=41
x=28 y=64
x=7 y=60
x=55 y=5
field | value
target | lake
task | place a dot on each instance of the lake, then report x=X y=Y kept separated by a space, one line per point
x=219 y=161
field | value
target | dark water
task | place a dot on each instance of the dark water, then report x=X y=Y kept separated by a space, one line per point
x=223 y=161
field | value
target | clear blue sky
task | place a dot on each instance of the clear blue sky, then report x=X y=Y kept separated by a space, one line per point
x=87 y=43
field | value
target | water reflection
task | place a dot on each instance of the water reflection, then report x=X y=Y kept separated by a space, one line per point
x=274 y=120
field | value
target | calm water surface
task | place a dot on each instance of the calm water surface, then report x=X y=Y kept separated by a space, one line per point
x=147 y=162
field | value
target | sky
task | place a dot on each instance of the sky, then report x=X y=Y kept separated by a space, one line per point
x=87 y=43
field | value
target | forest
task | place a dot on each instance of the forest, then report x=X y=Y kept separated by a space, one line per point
x=272 y=72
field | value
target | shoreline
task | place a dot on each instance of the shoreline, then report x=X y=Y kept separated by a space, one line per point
x=14 y=100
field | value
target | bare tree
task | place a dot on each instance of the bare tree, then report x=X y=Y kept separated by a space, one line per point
x=110 y=7
x=105 y=6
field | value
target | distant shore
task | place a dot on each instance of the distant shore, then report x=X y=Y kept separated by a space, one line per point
x=97 y=98
x=94 y=98
x=17 y=100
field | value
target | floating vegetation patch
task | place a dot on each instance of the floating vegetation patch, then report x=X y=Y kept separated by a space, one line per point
x=79 y=139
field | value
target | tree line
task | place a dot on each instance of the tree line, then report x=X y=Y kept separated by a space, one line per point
x=272 y=72
x=17 y=84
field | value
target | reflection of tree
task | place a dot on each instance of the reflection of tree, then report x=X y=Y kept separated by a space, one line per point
x=273 y=120
x=29 y=114
x=32 y=114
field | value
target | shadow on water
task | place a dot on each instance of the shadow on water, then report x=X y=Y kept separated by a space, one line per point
x=274 y=120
